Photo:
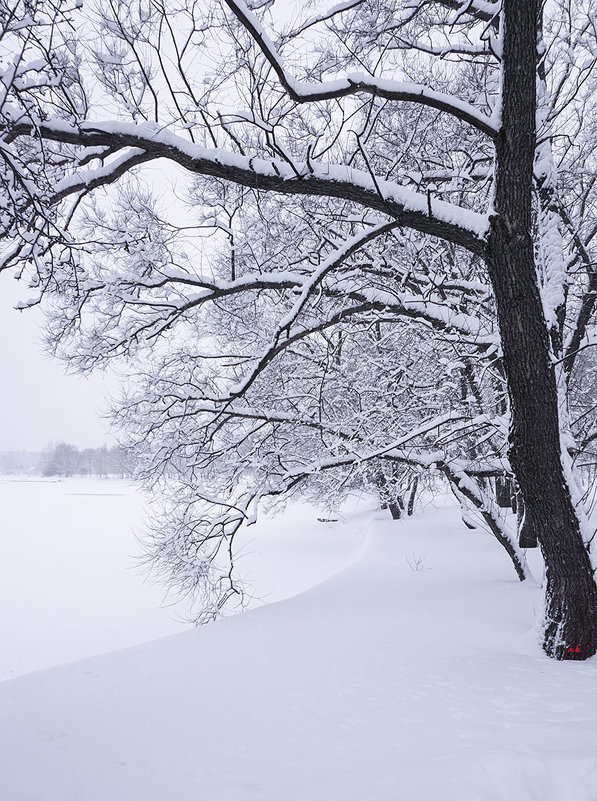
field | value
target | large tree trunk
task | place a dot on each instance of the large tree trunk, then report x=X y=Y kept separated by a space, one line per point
x=570 y=629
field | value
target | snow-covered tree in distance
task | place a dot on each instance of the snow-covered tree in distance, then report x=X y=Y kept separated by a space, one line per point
x=470 y=165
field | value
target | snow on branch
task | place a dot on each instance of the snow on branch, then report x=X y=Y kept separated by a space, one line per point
x=478 y=9
x=338 y=8
x=87 y=180
x=410 y=209
x=395 y=449
x=470 y=489
x=441 y=316
x=307 y=91
x=346 y=250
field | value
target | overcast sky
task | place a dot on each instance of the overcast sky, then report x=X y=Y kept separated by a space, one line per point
x=39 y=403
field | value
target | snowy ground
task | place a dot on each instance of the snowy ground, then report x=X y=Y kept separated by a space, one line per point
x=414 y=674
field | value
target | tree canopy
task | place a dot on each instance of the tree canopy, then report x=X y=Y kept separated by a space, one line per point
x=331 y=249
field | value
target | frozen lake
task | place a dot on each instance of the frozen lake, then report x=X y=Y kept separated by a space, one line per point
x=71 y=585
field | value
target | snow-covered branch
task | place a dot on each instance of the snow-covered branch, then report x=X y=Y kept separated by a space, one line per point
x=354 y=83
x=411 y=209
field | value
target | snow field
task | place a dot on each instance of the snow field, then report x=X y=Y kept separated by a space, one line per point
x=412 y=675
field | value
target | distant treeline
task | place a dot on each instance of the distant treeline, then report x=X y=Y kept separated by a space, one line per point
x=63 y=459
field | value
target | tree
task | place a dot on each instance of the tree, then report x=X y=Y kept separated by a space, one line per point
x=64 y=459
x=390 y=201
x=60 y=459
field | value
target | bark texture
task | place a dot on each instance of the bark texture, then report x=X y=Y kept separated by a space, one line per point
x=527 y=533
x=570 y=629
x=503 y=492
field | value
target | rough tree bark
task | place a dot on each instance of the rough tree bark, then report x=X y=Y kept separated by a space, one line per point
x=570 y=629
x=527 y=534
x=503 y=492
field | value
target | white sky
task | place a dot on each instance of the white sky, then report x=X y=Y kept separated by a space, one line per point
x=39 y=403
